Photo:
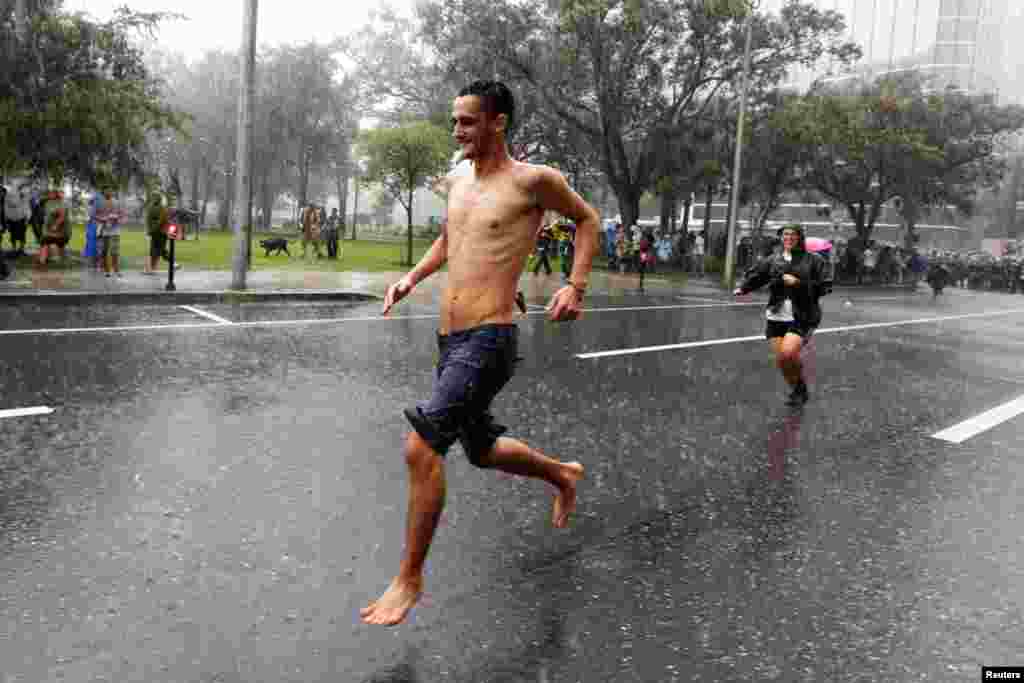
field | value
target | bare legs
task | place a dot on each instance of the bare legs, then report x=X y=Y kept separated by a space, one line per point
x=787 y=357
x=515 y=457
x=426 y=501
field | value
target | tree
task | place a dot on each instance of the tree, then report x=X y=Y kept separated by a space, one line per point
x=397 y=72
x=772 y=160
x=623 y=73
x=893 y=140
x=851 y=146
x=405 y=158
x=76 y=99
x=967 y=129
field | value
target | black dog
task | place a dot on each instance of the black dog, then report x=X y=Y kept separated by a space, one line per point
x=276 y=245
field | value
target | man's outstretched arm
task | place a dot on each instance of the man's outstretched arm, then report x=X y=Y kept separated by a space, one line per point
x=427 y=266
x=433 y=259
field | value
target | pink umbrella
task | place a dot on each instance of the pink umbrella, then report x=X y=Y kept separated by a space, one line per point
x=817 y=244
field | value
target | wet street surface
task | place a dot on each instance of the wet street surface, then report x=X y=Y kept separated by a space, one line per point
x=220 y=489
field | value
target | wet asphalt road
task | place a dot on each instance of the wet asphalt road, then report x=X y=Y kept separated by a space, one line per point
x=215 y=503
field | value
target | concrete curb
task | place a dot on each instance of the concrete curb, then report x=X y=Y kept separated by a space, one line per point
x=182 y=297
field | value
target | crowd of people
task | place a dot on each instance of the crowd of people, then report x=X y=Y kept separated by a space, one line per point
x=45 y=212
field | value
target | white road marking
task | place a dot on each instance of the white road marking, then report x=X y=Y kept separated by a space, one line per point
x=206 y=314
x=25 y=412
x=319 y=321
x=700 y=298
x=823 y=330
x=377 y=318
x=959 y=433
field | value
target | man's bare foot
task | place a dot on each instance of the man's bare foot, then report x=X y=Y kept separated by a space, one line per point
x=565 y=499
x=391 y=608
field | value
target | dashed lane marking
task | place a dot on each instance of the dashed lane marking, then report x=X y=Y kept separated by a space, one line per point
x=959 y=433
x=206 y=314
x=760 y=337
x=25 y=412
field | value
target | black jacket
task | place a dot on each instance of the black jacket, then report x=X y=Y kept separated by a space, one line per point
x=809 y=268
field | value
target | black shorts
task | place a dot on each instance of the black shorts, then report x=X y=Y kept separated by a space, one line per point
x=157 y=244
x=776 y=329
x=473 y=367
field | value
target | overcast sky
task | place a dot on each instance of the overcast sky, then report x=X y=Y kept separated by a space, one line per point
x=218 y=23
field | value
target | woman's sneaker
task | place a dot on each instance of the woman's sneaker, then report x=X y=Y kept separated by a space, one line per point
x=799 y=396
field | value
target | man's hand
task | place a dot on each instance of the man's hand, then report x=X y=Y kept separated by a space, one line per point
x=738 y=291
x=790 y=280
x=396 y=293
x=565 y=305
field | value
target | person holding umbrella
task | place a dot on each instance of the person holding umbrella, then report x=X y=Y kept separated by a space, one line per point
x=797 y=279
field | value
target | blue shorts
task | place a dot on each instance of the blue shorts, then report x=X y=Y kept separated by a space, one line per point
x=474 y=365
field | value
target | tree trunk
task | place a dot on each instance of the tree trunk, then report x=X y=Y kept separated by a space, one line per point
x=195 y=185
x=341 y=178
x=1012 y=230
x=206 y=200
x=668 y=210
x=629 y=204
x=707 y=212
x=303 y=176
x=21 y=19
x=266 y=202
x=910 y=213
x=408 y=214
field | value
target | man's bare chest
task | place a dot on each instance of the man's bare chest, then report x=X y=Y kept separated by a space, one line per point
x=473 y=211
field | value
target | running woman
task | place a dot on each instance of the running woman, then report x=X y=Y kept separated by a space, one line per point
x=797 y=279
x=494 y=214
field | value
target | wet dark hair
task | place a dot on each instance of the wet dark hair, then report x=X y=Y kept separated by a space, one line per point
x=495 y=97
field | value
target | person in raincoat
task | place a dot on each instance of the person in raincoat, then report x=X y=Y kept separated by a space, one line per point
x=797 y=279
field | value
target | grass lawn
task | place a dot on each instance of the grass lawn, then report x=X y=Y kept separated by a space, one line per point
x=213 y=251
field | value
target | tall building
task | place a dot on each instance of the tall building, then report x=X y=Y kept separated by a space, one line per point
x=959 y=43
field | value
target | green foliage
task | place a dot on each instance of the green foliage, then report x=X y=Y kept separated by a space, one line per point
x=733 y=9
x=630 y=78
x=404 y=158
x=76 y=98
x=896 y=138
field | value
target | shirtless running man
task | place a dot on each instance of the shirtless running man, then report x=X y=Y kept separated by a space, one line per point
x=494 y=216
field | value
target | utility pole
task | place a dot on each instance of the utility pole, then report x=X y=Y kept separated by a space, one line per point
x=355 y=209
x=243 y=181
x=729 y=271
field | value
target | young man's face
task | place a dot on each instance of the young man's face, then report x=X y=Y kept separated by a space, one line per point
x=472 y=128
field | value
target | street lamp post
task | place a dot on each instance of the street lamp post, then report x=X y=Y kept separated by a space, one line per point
x=729 y=271
x=243 y=181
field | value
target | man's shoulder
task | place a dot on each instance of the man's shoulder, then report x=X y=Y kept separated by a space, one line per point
x=532 y=174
